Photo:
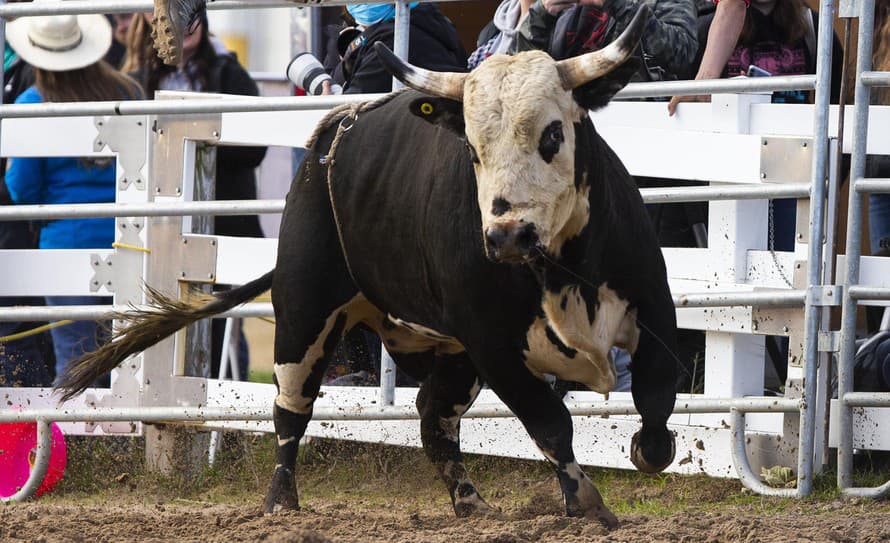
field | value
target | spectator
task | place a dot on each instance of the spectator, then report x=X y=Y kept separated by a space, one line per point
x=433 y=44
x=27 y=361
x=120 y=22
x=206 y=67
x=66 y=54
x=779 y=37
x=569 y=28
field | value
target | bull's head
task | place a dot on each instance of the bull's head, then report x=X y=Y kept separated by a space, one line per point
x=518 y=115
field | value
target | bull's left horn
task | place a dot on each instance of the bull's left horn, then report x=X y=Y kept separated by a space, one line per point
x=444 y=84
x=579 y=70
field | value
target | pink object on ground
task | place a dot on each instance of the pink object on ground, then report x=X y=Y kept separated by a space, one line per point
x=18 y=450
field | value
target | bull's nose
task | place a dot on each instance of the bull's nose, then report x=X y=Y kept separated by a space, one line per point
x=510 y=242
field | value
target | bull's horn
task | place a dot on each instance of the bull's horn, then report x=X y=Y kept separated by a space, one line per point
x=579 y=70
x=444 y=84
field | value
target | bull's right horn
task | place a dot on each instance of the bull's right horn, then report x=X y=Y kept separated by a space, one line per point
x=579 y=70
x=444 y=84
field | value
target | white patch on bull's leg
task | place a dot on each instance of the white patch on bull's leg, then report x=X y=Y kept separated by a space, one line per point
x=291 y=376
x=283 y=442
x=589 y=501
x=567 y=316
x=579 y=493
x=464 y=496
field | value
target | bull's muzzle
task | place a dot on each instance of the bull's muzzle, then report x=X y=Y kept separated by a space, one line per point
x=511 y=242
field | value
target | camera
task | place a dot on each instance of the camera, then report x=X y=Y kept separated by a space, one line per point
x=307 y=73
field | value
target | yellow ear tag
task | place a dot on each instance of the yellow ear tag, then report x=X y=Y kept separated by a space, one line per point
x=426 y=108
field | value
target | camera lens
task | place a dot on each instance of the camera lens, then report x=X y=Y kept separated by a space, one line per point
x=306 y=72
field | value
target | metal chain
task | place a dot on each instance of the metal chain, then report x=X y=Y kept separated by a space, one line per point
x=772 y=244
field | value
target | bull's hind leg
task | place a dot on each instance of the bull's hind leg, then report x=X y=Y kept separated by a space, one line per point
x=312 y=293
x=444 y=396
x=549 y=424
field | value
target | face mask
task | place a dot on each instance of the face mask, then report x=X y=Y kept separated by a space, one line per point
x=369 y=14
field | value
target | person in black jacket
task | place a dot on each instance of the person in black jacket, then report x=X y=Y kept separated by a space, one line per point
x=25 y=361
x=433 y=44
x=206 y=67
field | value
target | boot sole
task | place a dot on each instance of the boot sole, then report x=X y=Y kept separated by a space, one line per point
x=167 y=41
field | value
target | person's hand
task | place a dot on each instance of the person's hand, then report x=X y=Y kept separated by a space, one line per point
x=555 y=7
x=672 y=105
x=326 y=87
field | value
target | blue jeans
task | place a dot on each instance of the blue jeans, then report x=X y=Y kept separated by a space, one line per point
x=72 y=340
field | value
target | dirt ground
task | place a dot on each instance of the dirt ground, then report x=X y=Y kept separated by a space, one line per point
x=339 y=521
x=383 y=494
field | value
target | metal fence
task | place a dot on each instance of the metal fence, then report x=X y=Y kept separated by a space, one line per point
x=161 y=204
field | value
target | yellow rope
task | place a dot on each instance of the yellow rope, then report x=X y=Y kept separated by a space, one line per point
x=34 y=331
x=128 y=246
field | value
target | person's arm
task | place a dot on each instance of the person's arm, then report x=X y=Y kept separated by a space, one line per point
x=24 y=175
x=722 y=38
x=24 y=180
x=670 y=36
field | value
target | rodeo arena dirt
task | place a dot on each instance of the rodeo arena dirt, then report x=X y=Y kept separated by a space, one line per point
x=463 y=324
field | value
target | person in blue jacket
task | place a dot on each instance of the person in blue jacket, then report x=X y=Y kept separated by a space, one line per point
x=66 y=54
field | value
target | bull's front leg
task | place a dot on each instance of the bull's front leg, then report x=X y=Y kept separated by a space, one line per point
x=654 y=372
x=549 y=424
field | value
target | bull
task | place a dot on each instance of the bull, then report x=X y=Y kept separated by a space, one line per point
x=489 y=235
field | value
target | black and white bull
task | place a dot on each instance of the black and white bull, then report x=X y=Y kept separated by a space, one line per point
x=490 y=236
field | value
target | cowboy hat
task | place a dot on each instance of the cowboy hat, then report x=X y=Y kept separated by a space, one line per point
x=59 y=43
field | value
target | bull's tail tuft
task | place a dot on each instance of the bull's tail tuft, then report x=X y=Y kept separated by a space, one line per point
x=162 y=317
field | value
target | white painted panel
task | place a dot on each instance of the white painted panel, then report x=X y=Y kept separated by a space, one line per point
x=241 y=260
x=730 y=158
x=60 y=136
x=48 y=272
x=284 y=128
x=871 y=427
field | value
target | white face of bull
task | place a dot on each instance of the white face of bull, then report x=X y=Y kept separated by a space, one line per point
x=519 y=123
x=518 y=117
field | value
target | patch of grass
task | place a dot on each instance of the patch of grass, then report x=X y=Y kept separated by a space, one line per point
x=259 y=376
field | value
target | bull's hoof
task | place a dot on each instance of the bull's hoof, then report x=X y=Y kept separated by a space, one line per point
x=468 y=503
x=598 y=512
x=651 y=452
x=282 y=494
x=478 y=507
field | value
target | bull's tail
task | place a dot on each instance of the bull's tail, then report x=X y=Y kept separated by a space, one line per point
x=163 y=317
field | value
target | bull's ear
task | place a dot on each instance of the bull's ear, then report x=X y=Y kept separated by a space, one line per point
x=596 y=94
x=441 y=111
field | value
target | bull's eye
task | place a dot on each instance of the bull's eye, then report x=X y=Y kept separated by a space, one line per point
x=551 y=138
x=473 y=156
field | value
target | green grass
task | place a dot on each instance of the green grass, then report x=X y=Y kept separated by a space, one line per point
x=259 y=376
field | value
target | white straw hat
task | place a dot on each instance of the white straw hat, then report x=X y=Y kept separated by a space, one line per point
x=59 y=43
